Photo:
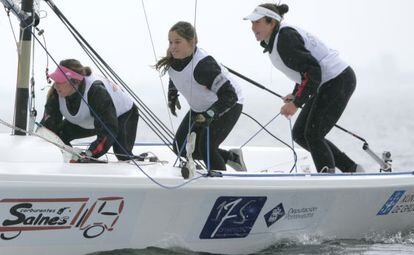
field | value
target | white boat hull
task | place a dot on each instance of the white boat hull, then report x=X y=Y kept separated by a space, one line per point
x=61 y=208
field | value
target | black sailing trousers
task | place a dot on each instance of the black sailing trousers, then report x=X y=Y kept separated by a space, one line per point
x=219 y=130
x=319 y=116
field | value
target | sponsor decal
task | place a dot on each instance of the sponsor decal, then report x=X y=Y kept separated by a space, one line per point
x=274 y=215
x=93 y=217
x=279 y=212
x=399 y=202
x=301 y=213
x=391 y=202
x=232 y=217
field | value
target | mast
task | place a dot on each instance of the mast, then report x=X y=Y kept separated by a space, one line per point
x=23 y=68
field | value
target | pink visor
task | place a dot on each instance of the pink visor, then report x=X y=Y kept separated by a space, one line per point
x=62 y=74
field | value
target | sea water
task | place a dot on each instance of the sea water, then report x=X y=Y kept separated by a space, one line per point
x=397 y=244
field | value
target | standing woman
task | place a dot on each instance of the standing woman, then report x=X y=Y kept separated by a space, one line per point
x=88 y=105
x=215 y=99
x=324 y=84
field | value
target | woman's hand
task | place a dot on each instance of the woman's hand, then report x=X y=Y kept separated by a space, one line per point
x=288 y=109
x=288 y=98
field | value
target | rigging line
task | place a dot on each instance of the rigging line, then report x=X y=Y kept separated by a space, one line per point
x=260 y=130
x=102 y=69
x=119 y=80
x=133 y=161
x=60 y=146
x=159 y=73
x=281 y=97
x=42 y=33
x=12 y=29
x=47 y=52
x=293 y=145
x=195 y=13
x=32 y=102
x=92 y=111
x=284 y=143
x=192 y=68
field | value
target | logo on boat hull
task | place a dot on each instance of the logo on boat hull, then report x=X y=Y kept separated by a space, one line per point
x=232 y=217
x=399 y=202
x=274 y=215
x=279 y=213
x=27 y=215
x=391 y=202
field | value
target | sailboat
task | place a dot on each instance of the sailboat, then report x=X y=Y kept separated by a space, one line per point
x=51 y=206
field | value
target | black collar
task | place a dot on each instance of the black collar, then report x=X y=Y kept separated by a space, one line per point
x=268 y=47
x=76 y=95
x=180 y=64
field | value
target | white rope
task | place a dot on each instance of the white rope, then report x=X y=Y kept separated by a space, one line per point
x=155 y=58
x=60 y=146
x=160 y=75
x=192 y=67
x=14 y=33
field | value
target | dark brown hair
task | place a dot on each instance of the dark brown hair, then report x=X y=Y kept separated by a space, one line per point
x=76 y=66
x=279 y=9
x=183 y=29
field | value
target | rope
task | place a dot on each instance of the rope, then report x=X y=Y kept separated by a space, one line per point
x=159 y=75
x=12 y=29
x=64 y=20
x=293 y=145
x=192 y=68
x=147 y=115
x=260 y=130
x=93 y=113
x=32 y=102
x=275 y=137
x=62 y=147
x=208 y=150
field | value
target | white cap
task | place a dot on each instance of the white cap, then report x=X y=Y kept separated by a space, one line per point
x=260 y=12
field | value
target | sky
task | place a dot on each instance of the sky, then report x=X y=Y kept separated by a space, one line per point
x=374 y=36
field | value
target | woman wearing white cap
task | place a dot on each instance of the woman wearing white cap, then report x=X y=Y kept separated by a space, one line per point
x=324 y=83
x=214 y=97
x=91 y=105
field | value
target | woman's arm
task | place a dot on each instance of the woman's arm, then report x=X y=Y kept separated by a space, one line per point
x=101 y=103
x=294 y=55
x=208 y=72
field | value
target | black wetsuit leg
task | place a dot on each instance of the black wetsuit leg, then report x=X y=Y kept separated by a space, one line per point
x=127 y=131
x=219 y=130
x=319 y=116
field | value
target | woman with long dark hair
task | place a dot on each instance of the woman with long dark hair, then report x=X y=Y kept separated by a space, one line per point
x=214 y=97
x=324 y=83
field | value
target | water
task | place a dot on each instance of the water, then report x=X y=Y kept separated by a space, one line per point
x=398 y=244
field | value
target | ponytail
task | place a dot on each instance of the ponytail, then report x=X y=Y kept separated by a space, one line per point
x=279 y=9
x=76 y=66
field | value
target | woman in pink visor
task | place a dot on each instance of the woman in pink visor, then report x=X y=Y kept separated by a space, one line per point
x=81 y=104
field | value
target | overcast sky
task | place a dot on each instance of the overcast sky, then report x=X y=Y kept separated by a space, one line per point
x=374 y=36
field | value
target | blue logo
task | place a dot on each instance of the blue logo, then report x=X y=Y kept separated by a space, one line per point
x=274 y=215
x=232 y=217
x=391 y=202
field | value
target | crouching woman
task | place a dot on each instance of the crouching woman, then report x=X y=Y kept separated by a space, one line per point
x=81 y=104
